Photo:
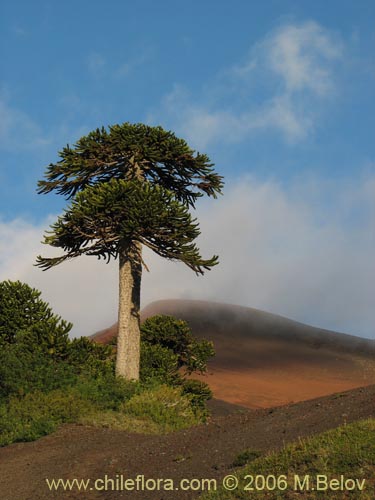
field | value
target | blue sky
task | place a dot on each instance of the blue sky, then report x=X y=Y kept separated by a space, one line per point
x=280 y=94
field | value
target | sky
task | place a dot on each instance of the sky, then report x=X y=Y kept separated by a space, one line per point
x=279 y=94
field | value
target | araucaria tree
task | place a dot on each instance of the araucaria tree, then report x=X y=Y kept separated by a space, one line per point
x=129 y=186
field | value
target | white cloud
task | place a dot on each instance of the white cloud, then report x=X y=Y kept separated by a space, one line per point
x=96 y=64
x=201 y=126
x=19 y=31
x=287 y=251
x=18 y=130
x=282 y=114
x=294 y=64
x=126 y=68
x=198 y=124
x=99 y=66
x=300 y=54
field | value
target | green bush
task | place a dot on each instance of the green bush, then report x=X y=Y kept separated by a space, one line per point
x=198 y=392
x=90 y=357
x=22 y=371
x=158 y=363
x=106 y=391
x=198 y=354
x=166 y=406
x=175 y=335
x=37 y=414
x=36 y=353
x=24 y=313
x=169 y=351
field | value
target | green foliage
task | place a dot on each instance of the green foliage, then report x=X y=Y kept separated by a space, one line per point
x=198 y=354
x=36 y=353
x=175 y=335
x=47 y=379
x=104 y=216
x=104 y=402
x=23 y=312
x=168 y=332
x=166 y=406
x=37 y=414
x=90 y=357
x=158 y=363
x=23 y=371
x=106 y=391
x=246 y=457
x=133 y=183
x=120 y=421
x=39 y=393
x=169 y=351
x=128 y=151
x=198 y=391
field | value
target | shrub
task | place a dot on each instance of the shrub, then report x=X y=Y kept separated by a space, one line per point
x=22 y=371
x=165 y=405
x=35 y=350
x=90 y=357
x=158 y=363
x=106 y=391
x=198 y=354
x=24 y=313
x=169 y=351
x=198 y=391
x=175 y=335
x=37 y=414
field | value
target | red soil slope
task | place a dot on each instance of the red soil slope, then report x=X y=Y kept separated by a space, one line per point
x=263 y=360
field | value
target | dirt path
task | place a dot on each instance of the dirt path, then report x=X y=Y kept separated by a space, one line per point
x=206 y=451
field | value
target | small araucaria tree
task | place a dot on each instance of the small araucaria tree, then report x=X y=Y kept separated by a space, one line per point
x=129 y=186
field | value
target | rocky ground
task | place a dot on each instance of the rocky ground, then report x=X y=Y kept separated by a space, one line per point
x=206 y=451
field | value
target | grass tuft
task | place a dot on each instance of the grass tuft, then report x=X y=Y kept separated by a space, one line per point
x=246 y=457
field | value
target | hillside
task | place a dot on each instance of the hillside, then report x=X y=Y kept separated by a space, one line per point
x=263 y=359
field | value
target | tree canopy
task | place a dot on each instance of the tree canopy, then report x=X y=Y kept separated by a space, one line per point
x=104 y=216
x=129 y=151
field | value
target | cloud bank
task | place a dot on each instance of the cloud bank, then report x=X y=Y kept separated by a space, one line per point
x=302 y=252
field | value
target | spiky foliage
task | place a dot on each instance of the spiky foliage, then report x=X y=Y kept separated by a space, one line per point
x=131 y=151
x=176 y=335
x=24 y=313
x=105 y=218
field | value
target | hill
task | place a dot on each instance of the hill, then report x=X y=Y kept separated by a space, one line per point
x=263 y=359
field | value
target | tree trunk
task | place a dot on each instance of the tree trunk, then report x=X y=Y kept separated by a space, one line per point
x=128 y=340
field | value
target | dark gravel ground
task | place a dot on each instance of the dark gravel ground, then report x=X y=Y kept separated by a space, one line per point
x=206 y=451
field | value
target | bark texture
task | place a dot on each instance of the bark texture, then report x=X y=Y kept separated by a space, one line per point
x=128 y=340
